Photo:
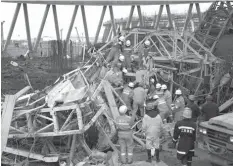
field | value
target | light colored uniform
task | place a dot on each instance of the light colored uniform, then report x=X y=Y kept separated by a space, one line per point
x=139 y=97
x=179 y=108
x=127 y=53
x=127 y=95
x=168 y=97
x=153 y=129
x=114 y=53
x=163 y=108
x=123 y=123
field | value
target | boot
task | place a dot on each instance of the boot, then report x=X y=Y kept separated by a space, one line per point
x=149 y=156
x=157 y=155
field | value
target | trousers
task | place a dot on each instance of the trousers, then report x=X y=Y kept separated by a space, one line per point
x=126 y=146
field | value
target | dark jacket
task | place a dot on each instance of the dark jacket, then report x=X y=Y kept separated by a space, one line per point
x=195 y=110
x=209 y=110
x=185 y=131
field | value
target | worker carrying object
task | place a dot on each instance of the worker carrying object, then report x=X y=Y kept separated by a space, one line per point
x=139 y=97
x=152 y=127
x=185 y=131
x=178 y=106
x=124 y=124
x=194 y=107
x=162 y=106
x=127 y=95
x=116 y=50
x=209 y=109
x=127 y=53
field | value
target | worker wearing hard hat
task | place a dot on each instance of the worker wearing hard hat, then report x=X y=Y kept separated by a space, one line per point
x=124 y=124
x=167 y=94
x=179 y=105
x=143 y=54
x=116 y=50
x=139 y=97
x=127 y=53
x=127 y=95
x=209 y=109
x=194 y=107
x=185 y=132
x=151 y=88
x=119 y=64
x=158 y=90
x=152 y=127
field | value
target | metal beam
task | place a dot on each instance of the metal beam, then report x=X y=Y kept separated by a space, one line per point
x=100 y=24
x=85 y=25
x=56 y=22
x=113 y=20
x=158 y=17
x=198 y=12
x=12 y=25
x=140 y=16
x=169 y=16
x=130 y=17
x=25 y=9
x=188 y=17
x=41 y=28
x=71 y=23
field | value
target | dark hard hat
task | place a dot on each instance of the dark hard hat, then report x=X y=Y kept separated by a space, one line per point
x=209 y=98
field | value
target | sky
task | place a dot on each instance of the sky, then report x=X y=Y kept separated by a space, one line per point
x=93 y=13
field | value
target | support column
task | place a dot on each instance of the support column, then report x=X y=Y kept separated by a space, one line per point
x=41 y=28
x=56 y=22
x=140 y=16
x=85 y=25
x=113 y=21
x=198 y=12
x=158 y=17
x=189 y=15
x=130 y=17
x=12 y=25
x=71 y=24
x=25 y=9
x=169 y=16
x=100 y=24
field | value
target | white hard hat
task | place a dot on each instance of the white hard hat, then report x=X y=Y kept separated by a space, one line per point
x=124 y=70
x=122 y=57
x=187 y=113
x=155 y=97
x=158 y=85
x=128 y=43
x=131 y=84
x=178 y=92
x=152 y=80
x=164 y=87
x=123 y=109
x=147 y=42
x=121 y=38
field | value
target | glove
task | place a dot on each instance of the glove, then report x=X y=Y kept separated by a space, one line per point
x=171 y=145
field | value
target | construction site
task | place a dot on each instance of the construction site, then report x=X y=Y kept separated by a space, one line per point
x=60 y=99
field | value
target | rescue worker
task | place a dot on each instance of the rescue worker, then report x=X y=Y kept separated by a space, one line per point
x=163 y=108
x=119 y=65
x=185 y=132
x=194 y=107
x=125 y=135
x=209 y=109
x=139 y=97
x=144 y=54
x=116 y=50
x=167 y=94
x=127 y=95
x=179 y=105
x=127 y=53
x=151 y=89
x=158 y=90
x=152 y=127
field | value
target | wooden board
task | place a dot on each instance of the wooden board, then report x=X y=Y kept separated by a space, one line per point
x=225 y=105
x=111 y=100
x=8 y=108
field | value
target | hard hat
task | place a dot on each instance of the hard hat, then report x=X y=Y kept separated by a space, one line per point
x=122 y=57
x=209 y=98
x=187 y=113
x=124 y=70
x=152 y=80
x=164 y=87
x=192 y=97
x=155 y=97
x=149 y=106
x=158 y=85
x=122 y=109
x=178 y=92
x=131 y=84
x=127 y=43
x=147 y=42
x=121 y=38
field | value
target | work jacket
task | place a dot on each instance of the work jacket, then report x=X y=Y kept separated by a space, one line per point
x=168 y=97
x=127 y=53
x=127 y=95
x=162 y=105
x=139 y=95
x=195 y=110
x=209 y=110
x=114 y=53
x=124 y=124
x=185 y=135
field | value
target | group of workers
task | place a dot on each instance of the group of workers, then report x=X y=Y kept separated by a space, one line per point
x=154 y=104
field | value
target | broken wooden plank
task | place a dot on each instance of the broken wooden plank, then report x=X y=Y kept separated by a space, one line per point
x=165 y=67
x=22 y=91
x=225 y=105
x=190 y=71
x=7 y=113
x=31 y=155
